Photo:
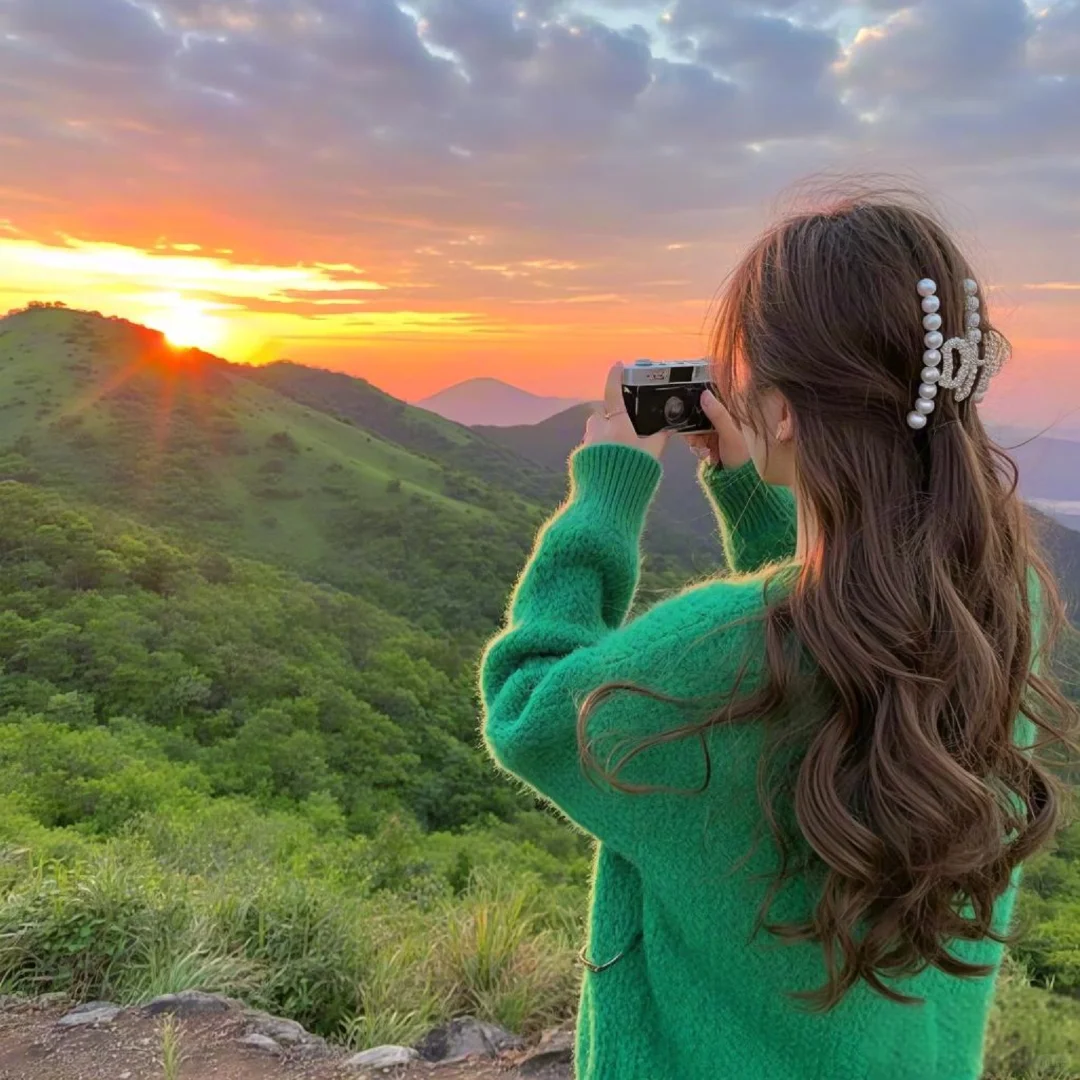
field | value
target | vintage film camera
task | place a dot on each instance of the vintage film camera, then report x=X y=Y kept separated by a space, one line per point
x=666 y=395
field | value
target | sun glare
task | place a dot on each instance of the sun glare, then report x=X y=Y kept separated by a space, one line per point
x=187 y=325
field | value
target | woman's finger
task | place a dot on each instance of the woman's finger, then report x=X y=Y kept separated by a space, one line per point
x=718 y=416
x=727 y=431
x=613 y=399
x=730 y=446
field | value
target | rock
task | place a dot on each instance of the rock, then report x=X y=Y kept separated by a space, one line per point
x=89 y=1014
x=556 y=1047
x=282 y=1031
x=312 y=1048
x=260 y=1042
x=287 y=1033
x=125 y=1075
x=382 y=1057
x=188 y=1003
x=461 y=1039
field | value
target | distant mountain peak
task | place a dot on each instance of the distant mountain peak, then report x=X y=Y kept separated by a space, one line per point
x=483 y=380
x=490 y=401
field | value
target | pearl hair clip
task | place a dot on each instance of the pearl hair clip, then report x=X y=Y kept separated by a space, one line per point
x=971 y=372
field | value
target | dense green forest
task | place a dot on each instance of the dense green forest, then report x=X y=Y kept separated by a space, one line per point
x=239 y=619
x=229 y=676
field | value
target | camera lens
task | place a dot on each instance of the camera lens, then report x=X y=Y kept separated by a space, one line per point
x=674 y=410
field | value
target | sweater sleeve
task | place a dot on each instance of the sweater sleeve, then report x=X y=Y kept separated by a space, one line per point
x=757 y=520
x=562 y=632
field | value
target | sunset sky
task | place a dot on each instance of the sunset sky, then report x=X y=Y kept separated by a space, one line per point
x=423 y=192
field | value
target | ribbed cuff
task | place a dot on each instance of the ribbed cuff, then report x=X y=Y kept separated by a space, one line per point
x=744 y=500
x=614 y=481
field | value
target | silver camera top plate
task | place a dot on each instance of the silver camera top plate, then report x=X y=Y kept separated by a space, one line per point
x=658 y=372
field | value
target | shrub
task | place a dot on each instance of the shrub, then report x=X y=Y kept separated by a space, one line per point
x=282 y=440
x=215 y=568
x=292 y=916
x=500 y=962
x=1033 y=1034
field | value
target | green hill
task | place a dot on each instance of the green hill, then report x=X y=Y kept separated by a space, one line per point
x=216 y=774
x=221 y=676
x=531 y=461
x=356 y=401
x=106 y=411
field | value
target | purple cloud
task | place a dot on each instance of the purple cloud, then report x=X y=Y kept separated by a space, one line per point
x=365 y=129
x=108 y=32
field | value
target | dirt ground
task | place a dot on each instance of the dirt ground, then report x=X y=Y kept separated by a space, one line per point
x=32 y=1047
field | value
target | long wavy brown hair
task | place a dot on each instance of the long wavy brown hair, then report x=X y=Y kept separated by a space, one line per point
x=926 y=776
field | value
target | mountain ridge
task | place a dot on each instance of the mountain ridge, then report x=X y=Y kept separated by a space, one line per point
x=492 y=401
x=357 y=401
x=104 y=410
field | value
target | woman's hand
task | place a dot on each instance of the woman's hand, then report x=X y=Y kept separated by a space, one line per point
x=612 y=424
x=725 y=444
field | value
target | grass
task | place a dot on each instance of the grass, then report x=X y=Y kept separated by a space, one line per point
x=232 y=909
x=172 y=1053
x=120 y=921
x=1033 y=1034
x=501 y=957
x=165 y=969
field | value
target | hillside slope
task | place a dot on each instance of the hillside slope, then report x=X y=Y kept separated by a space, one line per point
x=356 y=401
x=547 y=442
x=1062 y=548
x=681 y=524
x=531 y=461
x=316 y=471
x=151 y=671
x=1049 y=474
x=105 y=410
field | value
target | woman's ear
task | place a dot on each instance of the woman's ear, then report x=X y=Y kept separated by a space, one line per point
x=785 y=424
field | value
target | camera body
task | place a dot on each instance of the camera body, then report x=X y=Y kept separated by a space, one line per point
x=665 y=395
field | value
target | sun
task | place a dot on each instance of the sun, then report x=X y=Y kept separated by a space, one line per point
x=187 y=324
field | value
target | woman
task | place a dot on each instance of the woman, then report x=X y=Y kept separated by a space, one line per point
x=813 y=779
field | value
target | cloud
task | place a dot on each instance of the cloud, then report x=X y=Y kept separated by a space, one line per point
x=107 y=264
x=396 y=136
x=962 y=48
x=1054 y=48
x=101 y=32
x=370 y=119
x=487 y=35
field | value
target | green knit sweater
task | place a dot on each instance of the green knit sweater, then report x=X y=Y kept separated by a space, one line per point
x=678 y=883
